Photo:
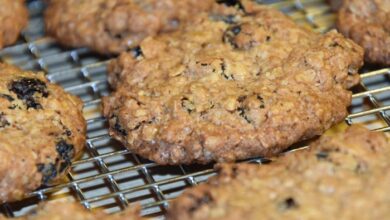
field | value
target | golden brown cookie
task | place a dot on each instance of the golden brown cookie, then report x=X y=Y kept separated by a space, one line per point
x=344 y=176
x=230 y=87
x=368 y=24
x=116 y=25
x=13 y=18
x=41 y=130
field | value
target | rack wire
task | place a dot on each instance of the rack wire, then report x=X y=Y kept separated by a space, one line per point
x=111 y=177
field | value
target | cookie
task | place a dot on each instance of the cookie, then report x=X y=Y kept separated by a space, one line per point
x=368 y=24
x=341 y=177
x=229 y=88
x=41 y=130
x=116 y=25
x=13 y=18
x=61 y=210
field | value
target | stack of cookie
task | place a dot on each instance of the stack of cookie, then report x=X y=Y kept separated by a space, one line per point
x=208 y=81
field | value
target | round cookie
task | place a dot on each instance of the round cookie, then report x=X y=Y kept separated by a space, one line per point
x=41 y=130
x=13 y=18
x=340 y=177
x=230 y=87
x=116 y=25
x=368 y=24
x=63 y=210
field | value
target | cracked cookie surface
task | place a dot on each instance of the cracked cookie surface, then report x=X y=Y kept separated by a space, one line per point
x=41 y=130
x=13 y=18
x=230 y=87
x=116 y=25
x=368 y=24
x=340 y=176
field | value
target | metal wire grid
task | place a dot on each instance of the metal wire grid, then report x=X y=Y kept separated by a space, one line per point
x=111 y=177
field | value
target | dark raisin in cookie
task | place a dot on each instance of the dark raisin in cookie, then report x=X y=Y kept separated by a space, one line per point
x=341 y=176
x=368 y=24
x=41 y=130
x=217 y=91
x=13 y=18
x=116 y=25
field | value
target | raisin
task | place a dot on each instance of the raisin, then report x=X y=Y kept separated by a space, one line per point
x=288 y=203
x=65 y=150
x=117 y=36
x=322 y=155
x=65 y=154
x=241 y=98
x=67 y=131
x=117 y=126
x=234 y=3
x=223 y=72
x=242 y=113
x=48 y=171
x=137 y=126
x=8 y=97
x=262 y=105
x=229 y=19
x=230 y=34
x=187 y=104
x=14 y=106
x=236 y=30
x=137 y=52
x=26 y=88
x=241 y=109
x=3 y=121
x=335 y=44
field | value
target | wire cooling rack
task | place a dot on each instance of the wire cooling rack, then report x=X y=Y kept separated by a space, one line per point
x=111 y=177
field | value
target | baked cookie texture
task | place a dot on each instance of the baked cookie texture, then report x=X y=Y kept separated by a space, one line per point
x=341 y=177
x=13 y=18
x=61 y=210
x=116 y=25
x=41 y=130
x=230 y=87
x=368 y=24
